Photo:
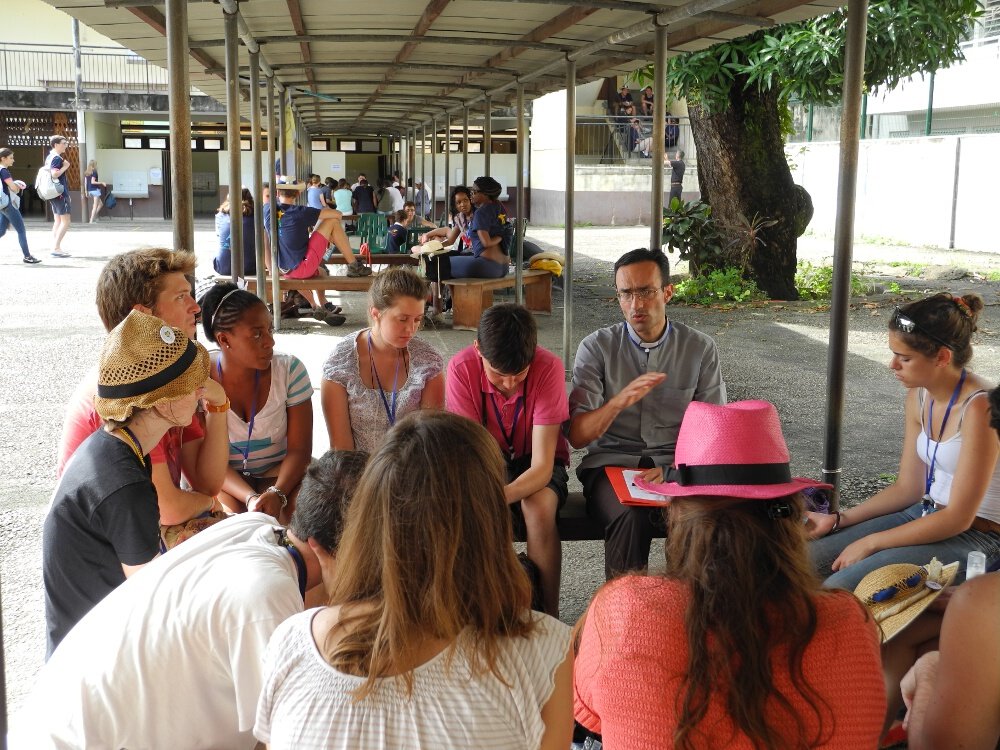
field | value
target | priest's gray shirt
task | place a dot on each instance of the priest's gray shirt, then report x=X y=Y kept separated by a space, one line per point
x=608 y=360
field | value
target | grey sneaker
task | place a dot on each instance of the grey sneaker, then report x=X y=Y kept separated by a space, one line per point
x=332 y=319
x=357 y=268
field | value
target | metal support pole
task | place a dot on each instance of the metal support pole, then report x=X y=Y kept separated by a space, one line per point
x=81 y=123
x=423 y=172
x=179 y=95
x=487 y=135
x=864 y=112
x=411 y=149
x=843 y=242
x=272 y=137
x=434 y=156
x=659 y=140
x=233 y=142
x=465 y=145
x=929 y=119
x=522 y=138
x=809 y=123
x=570 y=200
x=282 y=136
x=447 y=165
x=257 y=187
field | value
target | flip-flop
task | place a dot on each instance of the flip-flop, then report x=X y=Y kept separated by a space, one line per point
x=60 y=254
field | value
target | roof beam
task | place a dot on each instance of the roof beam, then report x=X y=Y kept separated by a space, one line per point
x=485 y=41
x=156 y=20
x=431 y=13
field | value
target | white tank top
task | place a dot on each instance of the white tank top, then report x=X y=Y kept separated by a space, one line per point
x=946 y=463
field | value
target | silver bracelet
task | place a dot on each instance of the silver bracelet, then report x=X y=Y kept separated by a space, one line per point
x=279 y=493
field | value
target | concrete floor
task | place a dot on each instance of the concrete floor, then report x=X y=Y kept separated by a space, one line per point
x=50 y=329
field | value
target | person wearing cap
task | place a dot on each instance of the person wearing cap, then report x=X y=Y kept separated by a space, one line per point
x=621 y=409
x=104 y=524
x=154 y=280
x=517 y=390
x=625 y=101
x=300 y=254
x=174 y=657
x=945 y=501
x=736 y=644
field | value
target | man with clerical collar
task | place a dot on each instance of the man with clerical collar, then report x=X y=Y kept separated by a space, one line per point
x=632 y=383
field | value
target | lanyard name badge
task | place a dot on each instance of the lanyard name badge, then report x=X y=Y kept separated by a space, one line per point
x=928 y=502
x=390 y=409
x=245 y=450
x=508 y=438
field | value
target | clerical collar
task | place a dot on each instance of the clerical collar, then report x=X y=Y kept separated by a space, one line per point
x=646 y=347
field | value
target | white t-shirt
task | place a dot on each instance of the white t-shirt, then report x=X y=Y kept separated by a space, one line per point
x=397 y=198
x=268 y=444
x=173 y=657
x=307 y=704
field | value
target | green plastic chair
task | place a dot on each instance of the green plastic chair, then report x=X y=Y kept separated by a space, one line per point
x=372 y=228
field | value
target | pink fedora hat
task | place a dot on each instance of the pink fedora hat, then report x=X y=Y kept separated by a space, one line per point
x=736 y=450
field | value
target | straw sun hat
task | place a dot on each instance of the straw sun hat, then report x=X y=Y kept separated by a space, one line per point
x=736 y=450
x=896 y=594
x=145 y=362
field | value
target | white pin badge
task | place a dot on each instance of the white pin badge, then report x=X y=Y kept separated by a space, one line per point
x=167 y=334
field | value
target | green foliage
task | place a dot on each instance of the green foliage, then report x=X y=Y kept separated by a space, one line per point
x=688 y=229
x=723 y=285
x=816 y=282
x=805 y=60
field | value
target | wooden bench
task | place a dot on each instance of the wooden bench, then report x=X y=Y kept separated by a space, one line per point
x=471 y=296
x=317 y=283
x=574 y=524
x=379 y=259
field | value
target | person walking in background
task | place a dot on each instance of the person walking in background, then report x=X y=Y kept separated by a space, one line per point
x=94 y=185
x=363 y=197
x=10 y=214
x=677 y=167
x=61 y=204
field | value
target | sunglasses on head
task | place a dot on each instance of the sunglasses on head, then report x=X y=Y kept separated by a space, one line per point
x=909 y=325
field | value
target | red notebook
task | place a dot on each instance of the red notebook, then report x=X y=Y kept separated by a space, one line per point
x=628 y=494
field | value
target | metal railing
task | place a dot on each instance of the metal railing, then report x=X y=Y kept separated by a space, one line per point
x=49 y=67
x=626 y=140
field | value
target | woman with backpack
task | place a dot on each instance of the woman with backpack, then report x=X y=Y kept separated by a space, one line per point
x=10 y=200
x=94 y=186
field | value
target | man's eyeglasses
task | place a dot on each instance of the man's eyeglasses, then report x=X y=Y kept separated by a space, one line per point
x=909 y=325
x=626 y=295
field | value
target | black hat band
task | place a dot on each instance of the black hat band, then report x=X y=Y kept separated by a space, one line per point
x=154 y=381
x=734 y=474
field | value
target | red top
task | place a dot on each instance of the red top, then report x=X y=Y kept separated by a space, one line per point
x=633 y=655
x=82 y=419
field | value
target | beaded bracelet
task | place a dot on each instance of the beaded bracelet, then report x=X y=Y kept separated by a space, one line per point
x=279 y=493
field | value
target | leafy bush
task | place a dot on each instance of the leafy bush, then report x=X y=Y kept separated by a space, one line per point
x=688 y=228
x=725 y=285
x=816 y=282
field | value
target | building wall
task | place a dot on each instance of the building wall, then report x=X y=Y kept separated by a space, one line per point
x=908 y=189
x=37 y=22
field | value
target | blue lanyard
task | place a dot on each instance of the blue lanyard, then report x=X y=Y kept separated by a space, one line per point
x=390 y=411
x=518 y=407
x=253 y=415
x=929 y=471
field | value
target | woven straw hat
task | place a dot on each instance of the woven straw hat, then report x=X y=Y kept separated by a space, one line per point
x=145 y=362
x=735 y=450
x=289 y=183
x=896 y=594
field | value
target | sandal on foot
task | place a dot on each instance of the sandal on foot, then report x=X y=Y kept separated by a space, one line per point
x=60 y=254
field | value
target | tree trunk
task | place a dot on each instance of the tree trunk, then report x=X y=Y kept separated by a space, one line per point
x=743 y=174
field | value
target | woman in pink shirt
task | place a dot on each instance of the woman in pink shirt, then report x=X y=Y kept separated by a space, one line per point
x=736 y=645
